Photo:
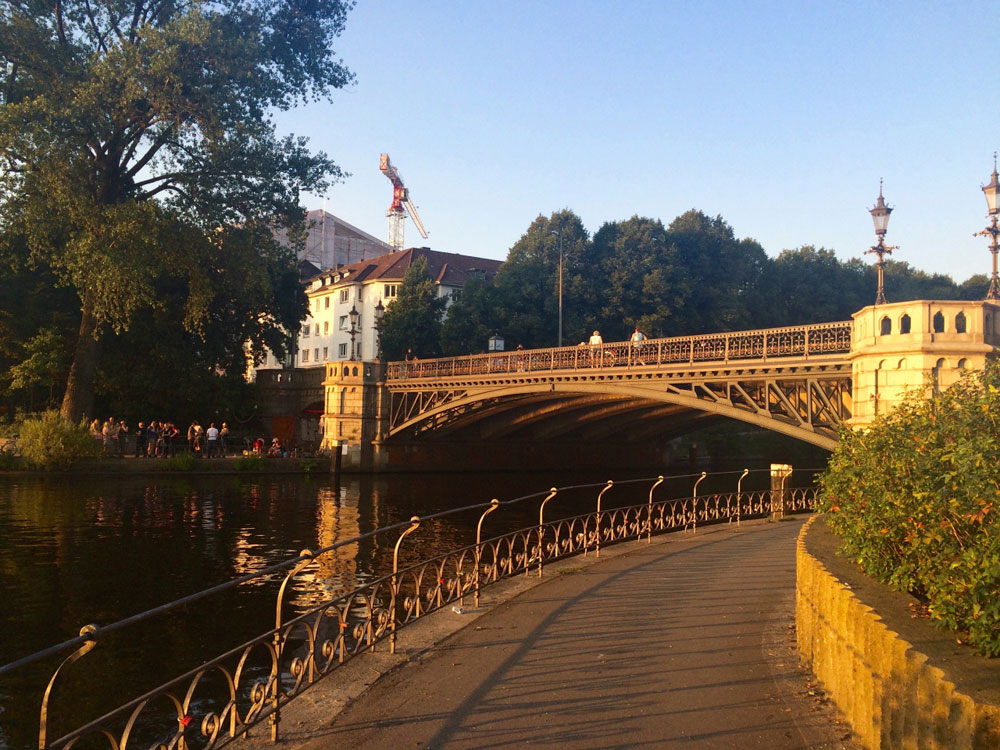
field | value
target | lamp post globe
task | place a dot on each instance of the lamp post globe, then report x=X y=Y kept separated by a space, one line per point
x=880 y=218
x=992 y=193
x=353 y=315
x=379 y=312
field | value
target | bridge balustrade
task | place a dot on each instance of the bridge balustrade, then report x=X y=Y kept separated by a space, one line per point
x=761 y=345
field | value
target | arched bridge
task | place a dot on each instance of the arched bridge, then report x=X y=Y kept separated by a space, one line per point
x=794 y=380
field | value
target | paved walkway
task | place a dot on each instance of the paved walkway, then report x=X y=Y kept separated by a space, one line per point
x=684 y=643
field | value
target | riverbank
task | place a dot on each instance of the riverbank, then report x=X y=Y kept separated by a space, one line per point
x=185 y=464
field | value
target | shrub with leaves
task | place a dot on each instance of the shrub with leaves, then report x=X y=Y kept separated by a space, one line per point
x=916 y=499
x=51 y=442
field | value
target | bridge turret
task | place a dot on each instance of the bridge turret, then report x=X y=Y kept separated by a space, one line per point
x=353 y=411
x=906 y=345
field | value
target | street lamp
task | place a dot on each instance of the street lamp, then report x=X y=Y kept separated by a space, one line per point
x=880 y=216
x=559 y=234
x=495 y=343
x=379 y=312
x=992 y=192
x=353 y=315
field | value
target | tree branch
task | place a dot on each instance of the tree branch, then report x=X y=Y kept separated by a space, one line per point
x=59 y=23
x=98 y=37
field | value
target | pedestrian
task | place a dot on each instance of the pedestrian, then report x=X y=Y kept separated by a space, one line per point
x=152 y=436
x=223 y=438
x=122 y=438
x=212 y=439
x=637 y=338
x=140 y=440
x=108 y=432
x=191 y=433
x=168 y=432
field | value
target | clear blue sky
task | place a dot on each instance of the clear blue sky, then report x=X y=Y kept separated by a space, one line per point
x=779 y=116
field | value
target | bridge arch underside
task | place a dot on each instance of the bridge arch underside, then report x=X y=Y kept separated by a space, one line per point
x=807 y=408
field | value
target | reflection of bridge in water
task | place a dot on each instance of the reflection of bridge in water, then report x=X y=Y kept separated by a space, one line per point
x=793 y=380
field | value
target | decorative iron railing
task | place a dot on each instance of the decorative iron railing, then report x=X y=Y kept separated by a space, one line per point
x=736 y=346
x=220 y=700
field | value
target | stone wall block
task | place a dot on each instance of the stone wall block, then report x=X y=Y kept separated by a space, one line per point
x=892 y=697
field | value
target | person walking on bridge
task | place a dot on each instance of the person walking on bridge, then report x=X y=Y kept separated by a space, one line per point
x=637 y=338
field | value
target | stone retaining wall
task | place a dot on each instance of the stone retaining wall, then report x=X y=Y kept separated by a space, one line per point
x=890 y=694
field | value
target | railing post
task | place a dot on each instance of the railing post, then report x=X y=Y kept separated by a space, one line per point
x=694 y=502
x=91 y=633
x=607 y=487
x=541 y=528
x=739 y=497
x=394 y=592
x=649 y=515
x=494 y=504
x=279 y=644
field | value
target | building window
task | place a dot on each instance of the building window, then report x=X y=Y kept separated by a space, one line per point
x=326 y=302
x=305 y=332
x=315 y=355
x=305 y=355
x=886 y=328
x=904 y=324
x=326 y=327
x=326 y=354
x=342 y=350
x=390 y=291
x=938 y=322
x=345 y=295
x=343 y=322
x=960 y=323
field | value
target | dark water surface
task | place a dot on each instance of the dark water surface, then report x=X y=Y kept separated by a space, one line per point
x=96 y=549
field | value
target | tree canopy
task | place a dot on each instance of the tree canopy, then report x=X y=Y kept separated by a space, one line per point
x=142 y=169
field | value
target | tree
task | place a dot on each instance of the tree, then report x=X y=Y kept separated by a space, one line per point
x=636 y=280
x=528 y=282
x=471 y=319
x=413 y=320
x=810 y=285
x=138 y=154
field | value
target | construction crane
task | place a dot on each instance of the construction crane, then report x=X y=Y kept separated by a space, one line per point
x=400 y=202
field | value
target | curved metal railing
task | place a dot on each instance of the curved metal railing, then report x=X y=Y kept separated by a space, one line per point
x=209 y=706
x=735 y=346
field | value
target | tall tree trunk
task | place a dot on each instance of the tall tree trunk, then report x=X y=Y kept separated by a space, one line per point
x=79 y=397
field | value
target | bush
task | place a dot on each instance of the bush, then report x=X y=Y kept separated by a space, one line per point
x=250 y=463
x=48 y=441
x=916 y=499
x=181 y=462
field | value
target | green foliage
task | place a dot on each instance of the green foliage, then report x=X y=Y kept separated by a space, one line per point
x=141 y=169
x=181 y=462
x=50 y=442
x=413 y=320
x=308 y=464
x=471 y=319
x=916 y=499
x=251 y=463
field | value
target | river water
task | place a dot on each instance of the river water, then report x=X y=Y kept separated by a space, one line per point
x=85 y=550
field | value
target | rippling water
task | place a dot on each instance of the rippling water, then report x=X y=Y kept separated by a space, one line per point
x=95 y=550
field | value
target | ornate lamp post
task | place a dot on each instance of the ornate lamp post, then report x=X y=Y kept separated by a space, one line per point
x=353 y=315
x=379 y=312
x=992 y=192
x=558 y=233
x=880 y=216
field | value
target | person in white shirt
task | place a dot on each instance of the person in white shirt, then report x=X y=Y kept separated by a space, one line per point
x=637 y=338
x=212 y=437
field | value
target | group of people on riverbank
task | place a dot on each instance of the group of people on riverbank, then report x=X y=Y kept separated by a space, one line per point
x=157 y=439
